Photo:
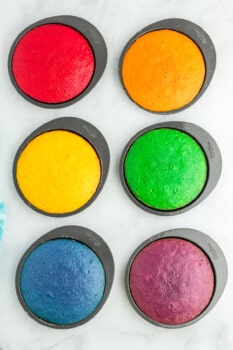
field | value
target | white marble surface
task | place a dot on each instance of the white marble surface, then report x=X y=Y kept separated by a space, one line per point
x=113 y=215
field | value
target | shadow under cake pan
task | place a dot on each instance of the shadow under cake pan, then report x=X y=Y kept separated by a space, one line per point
x=168 y=65
x=65 y=277
x=170 y=167
x=61 y=167
x=175 y=278
x=56 y=61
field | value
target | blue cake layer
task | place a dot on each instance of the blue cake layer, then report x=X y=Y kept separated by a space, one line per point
x=62 y=281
